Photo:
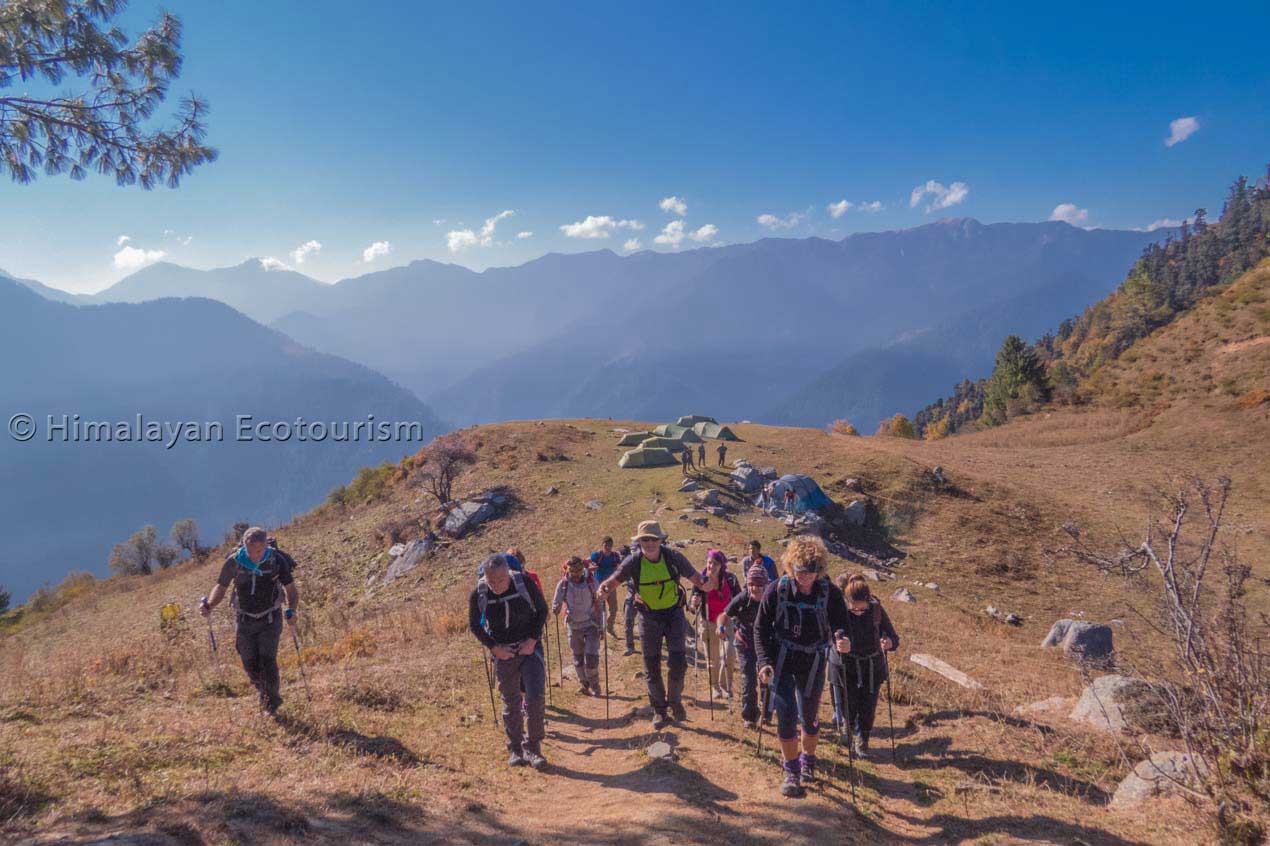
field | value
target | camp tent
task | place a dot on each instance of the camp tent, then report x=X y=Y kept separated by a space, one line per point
x=651 y=457
x=662 y=443
x=690 y=420
x=679 y=433
x=710 y=429
x=634 y=438
x=807 y=494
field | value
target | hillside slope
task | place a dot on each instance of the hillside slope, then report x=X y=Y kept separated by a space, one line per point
x=117 y=729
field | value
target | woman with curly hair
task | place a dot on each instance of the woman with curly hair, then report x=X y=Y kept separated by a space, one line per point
x=796 y=621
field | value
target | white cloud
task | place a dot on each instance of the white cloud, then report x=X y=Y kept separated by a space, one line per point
x=941 y=197
x=672 y=235
x=838 y=209
x=871 y=208
x=773 y=222
x=438 y=221
x=460 y=239
x=520 y=236
x=1070 y=213
x=705 y=233
x=1181 y=129
x=601 y=226
x=1164 y=223
x=631 y=245
x=375 y=250
x=674 y=205
x=302 y=252
x=122 y=239
x=132 y=258
x=271 y=263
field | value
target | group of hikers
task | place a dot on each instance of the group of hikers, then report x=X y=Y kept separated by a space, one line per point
x=789 y=628
x=689 y=465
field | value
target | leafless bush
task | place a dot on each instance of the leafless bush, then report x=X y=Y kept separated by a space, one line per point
x=442 y=462
x=1216 y=688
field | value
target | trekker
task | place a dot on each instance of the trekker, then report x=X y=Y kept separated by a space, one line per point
x=701 y=454
x=743 y=609
x=578 y=596
x=723 y=451
x=711 y=600
x=606 y=561
x=686 y=458
x=859 y=674
x=789 y=500
x=656 y=569
x=796 y=621
x=506 y=613
x=516 y=561
x=756 y=556
x=261 y=578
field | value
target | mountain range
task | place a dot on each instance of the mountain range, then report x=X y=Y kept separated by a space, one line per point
x=796 y=331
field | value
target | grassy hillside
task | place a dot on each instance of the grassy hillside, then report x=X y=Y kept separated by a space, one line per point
x=110 y=725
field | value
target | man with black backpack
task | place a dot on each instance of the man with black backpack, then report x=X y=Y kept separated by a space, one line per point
x=261 y=578
x=656 y=569
x=506 y=613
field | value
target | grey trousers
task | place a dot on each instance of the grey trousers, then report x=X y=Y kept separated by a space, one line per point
x=257 y=645
x=524 y=708
x=584 y=640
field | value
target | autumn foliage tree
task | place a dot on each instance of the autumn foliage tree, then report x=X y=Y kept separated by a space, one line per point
x=897 y=426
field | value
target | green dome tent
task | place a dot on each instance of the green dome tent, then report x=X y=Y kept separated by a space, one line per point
x=715 y=431
x=662 y=443
x=651 y=457
x=690 y=420
x=634 y=438
x=679 y=433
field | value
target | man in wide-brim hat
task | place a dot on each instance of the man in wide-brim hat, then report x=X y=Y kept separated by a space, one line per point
x=655 y=569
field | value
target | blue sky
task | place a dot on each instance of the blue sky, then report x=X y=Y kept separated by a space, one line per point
x=355 y=128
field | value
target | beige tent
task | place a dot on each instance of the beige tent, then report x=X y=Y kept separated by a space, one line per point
x=650 y=457
x=662 y=443
x=715 y=431
x=634 y=438
x=690 y=420
x=679 y=433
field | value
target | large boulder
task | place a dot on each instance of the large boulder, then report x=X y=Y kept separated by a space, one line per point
x=465 y=516
x=1163 y=774
x=708 y=498
x=747 y=479
x=1081 y=639
x=856 y=513
x=1102 y=703
x=903 y=595
x=410 y=558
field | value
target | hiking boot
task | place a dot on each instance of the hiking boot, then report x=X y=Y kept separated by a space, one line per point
x=792 y=785
x=515 y=759
x=678 y=712
x=808 y=764
x=630 y=650
x=749 y=725
x=860 y=746
x=660 y=721
x=584 y=689
x=533 y=756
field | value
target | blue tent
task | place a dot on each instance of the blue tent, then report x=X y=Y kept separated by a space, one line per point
x=807 y=494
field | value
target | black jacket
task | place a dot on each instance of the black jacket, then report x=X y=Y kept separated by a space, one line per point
x=527 y=620
x=800 y=628
x=865 y=658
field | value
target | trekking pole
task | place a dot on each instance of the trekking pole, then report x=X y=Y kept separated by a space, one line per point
x=299 y=662
x=844 y=720
x=890 y=715
x=489 y=681
x=559 y=652
x=764 y=702
x=603 y=621
x=546 y=657
x=709 y=677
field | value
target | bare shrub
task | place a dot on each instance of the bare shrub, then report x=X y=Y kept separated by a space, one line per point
x=441 y=463
x=1216 y=688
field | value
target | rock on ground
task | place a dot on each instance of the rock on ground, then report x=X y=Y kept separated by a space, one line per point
x=708 y=498
x=855 y=513
x=1102 y=704
x=595 y=505
x=690 y=485
x=1158 y=775
x=903 y=595
x=411 y=557
x=946 y=670
x=660 y=749
x=1053 y=705
x=1080 y=639
x=396 y=549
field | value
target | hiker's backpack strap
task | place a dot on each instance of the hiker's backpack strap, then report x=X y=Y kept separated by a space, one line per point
x=877 y=620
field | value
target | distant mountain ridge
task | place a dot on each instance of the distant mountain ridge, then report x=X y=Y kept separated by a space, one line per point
x=755 y=329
